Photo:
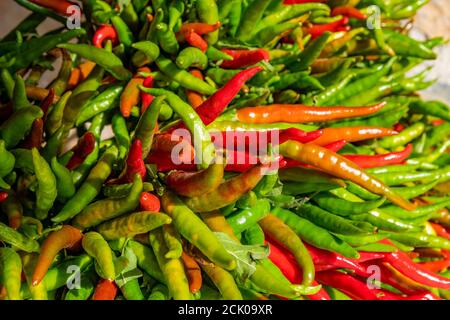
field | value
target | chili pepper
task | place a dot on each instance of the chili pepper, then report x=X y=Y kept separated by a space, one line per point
x=64 y=183
x=191 y=57
x=193 y=272
x=46 y=192
x=13 y=209
x=105 y=290
x=301 y=113
x=351 y=134
x=250 y=19
x=83 y=149
x=61 y=7
x=196 y=41
x=19 y=94
x=10 y=272
x=102 y=210
x=223 y=280
x=195 y=231
x=38 y=290
x=214 y=54
x=146 y=99
x=313 y=234
x=103 y=33
x=195 y=99
x=105 y=101
x=159 y=292
x=203 y=145
x=406 y=46
x=149 y=202
x=403 y=263
x=432 y=108
x=147 y=125
x=278 y=230
x=229 y=191
x=381 y=160
x=183 y=77
x=134 y=163
x=319 y=29
x=173 y=242
x=208 y=13
x=244 y=58
x=343 y=207
x=420 y=211
x=172 y=269
x=54 y=118
x=247 y=217
x=63 y=238
x=147 y=53
x=168 y=144
x=90 y=188
x=348 y=11
x=403 y=137
x=96 y=246
x=101 y=57
x=308 y=175
x=146 y=259
x=17 y=239
x=167 y=39
x=199 y=28
x=7 y=160
x=132 y=224
x=131 y=290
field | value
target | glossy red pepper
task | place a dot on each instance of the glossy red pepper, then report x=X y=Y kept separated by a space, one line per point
x=195 y=40
x=149 y=202
x=3 y=196
x=438 y=265
x=365 y=161
x=199 y=28
x=59 y=6
x=103 y=33
x=348 y=11
x=317 y=30
x=135 y=163
x=244 y=58
x=85 y=146
x=440 y=230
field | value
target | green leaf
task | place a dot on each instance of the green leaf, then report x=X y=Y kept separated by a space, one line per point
x=126 y=267
x=245 y=255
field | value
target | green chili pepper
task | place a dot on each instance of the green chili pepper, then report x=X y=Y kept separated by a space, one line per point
x=209 y=13
x=38 y=292
x=173 y=242
x=20 y=99
x=308 y=176
x=107 y=100
x=10 y=272
x=166 y=38
x=254 y=235
x=310 y=54
x=146 y=260
x=313 y=234
x=323 y=97
x=8 y=82
x=121 y=134
x=7 y=160
x=245 y=218
x=90 y=188
x=183 y=77
x=403 y=137
x=362 y=240
x=159 y=292
x=419 y=212
x=147 y=53
x=17 y=126
x=195 y=231
x=98 y=248
x=18 y=240
x=172 y=269
x=131 y=290
x=83 y=292
x=106 y=209
x=415 y=191
x=343 y=207
x=102 y=57
x=398 y=178
x=64 y=182
x=191 y=57
x=403 y=45
x=224 y=281
x=132 y=224
x=145 y=128
x=55 y=115
x=214 y=54
x=46 y=192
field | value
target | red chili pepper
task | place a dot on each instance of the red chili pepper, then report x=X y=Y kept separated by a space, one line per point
x=103 y=33
x=85 y=146
x=105 y=290
x=48 y=101
x=146 y=98
x=348 y=11
x=35 y=137
x=59 y=6
x=400 y=261
x=244 y=58
x=3 y=196
x=195 y=40
x=365 y=161
x=437 y=266
x=149 y=202
x=437 y=122
x=135 y=162
x=440 y=230
x=199 y=28
x=316 y=30
x=195 y=99
x=5 y=112
x=399 y=127
x=215 y=104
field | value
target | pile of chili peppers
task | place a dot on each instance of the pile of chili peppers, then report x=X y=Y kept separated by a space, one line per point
x=261 y=149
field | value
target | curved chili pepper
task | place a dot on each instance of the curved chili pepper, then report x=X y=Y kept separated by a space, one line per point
x=64 y=238
x=149 y=202
x=348 y=11
x=244 y=58
x=131 y=94
x=36 y=135
x=195 y=99
x=352 y=134
x=60 y=6
x=103 y=33
x=97 y=247
x=319 y=29
x=134 y=163
x=302 y=114
x=195 y=40
x=193 y=272
x=338 y=166
x=382 y=159
x=105 y=290
x=82 y=150
x=199 y=28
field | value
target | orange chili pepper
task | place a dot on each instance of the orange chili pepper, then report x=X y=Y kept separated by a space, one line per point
x=297 y=113
x=195 y=99
x=74 y=78
x=86 y=68
x=198 y=27
x=164 y=143
x=195 y=40
x=131 y=94
x=352 y=134
x=59 y=6
x=193 y=272
x=105 y=290
x=63 y=238
x=348 y=11
x=149 y=202
x=338 y=166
